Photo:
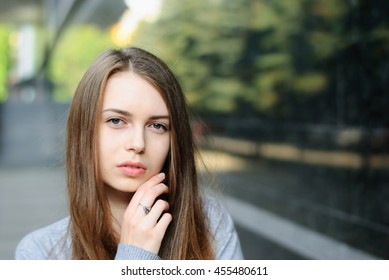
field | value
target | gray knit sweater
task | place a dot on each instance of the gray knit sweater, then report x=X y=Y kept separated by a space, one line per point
x=54 y=241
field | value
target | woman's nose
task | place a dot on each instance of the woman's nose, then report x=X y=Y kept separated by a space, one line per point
x=136 y=140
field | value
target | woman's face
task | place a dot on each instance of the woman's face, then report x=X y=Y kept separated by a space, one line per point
x=134 y=132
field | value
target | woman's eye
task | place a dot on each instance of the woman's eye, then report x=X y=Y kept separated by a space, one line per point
x=115 y=121
x=159 y=127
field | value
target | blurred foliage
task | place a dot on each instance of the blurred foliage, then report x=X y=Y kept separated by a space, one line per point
x=311 y=61
x=5 y=56
x=301 y=60
x=76 y=50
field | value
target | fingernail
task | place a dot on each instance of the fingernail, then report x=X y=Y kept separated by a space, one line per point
x=161 y=175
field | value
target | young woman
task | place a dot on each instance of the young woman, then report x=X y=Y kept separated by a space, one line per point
x=131 y=172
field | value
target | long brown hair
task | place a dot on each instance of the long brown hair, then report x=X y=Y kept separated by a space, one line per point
x=93 y=237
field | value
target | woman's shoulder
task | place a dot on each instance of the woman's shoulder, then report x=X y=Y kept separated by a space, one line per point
x=223 y=233
x=50 y=242
x=216 y=212
x=213 y=204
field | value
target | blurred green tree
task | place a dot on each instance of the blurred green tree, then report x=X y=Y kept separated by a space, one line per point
x=232 y=56
x=201 y=41
x=78 y=47
x=280 y=59
x=4 y=61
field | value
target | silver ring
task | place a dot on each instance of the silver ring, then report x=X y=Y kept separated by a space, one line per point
x=146 y=209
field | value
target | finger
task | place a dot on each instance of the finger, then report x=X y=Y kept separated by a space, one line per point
x=155 y=180
x=143 y=226
x=150 y=195
x=148 y=201
x=157 y=210
x=162 y=224
x=136 y=199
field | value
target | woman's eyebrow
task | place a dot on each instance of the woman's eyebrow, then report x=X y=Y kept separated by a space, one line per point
x=122 y=112
x=159 y=117
x=128 y=114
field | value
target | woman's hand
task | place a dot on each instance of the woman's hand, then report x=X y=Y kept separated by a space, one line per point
x=146 y=230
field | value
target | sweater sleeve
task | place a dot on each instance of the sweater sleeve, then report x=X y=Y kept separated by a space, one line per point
x=129 y=252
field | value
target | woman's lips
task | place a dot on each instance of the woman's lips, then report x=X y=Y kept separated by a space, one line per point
x=132 y=169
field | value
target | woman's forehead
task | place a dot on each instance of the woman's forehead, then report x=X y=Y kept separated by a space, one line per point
x=129 y=91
